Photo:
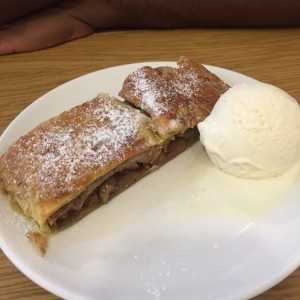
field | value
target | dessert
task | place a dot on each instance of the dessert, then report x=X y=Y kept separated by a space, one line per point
x=73 y=163
x=253 y=131
x=60 y=170
x=174 y=98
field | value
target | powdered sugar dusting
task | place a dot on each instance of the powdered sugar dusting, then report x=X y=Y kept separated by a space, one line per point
x=155 y=92
x=79 y=145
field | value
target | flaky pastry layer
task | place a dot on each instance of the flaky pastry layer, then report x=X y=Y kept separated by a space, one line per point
x=58 y=159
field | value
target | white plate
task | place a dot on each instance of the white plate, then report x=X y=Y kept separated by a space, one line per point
x=188 y=231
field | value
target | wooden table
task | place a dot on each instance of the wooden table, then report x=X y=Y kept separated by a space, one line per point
x=270 y=55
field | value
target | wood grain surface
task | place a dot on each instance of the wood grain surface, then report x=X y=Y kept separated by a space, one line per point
x=269 y=55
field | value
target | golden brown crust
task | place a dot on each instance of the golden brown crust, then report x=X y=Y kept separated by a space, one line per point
x=2 y=185
x=38 y=240
x=59 y=159
x=175 y=98
x=54 y=162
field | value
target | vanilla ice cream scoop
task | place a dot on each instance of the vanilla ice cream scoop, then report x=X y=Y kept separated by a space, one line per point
x=253 y=131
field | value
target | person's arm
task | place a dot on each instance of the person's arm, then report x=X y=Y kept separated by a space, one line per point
x=41 y=24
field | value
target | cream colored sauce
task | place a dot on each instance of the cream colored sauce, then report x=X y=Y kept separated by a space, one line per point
x=202 y=187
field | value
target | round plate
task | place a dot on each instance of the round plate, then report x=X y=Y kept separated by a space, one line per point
x=187 y=231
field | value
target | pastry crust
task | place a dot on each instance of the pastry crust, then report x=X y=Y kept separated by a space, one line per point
x=71 y=164
x=38 y=240
x=175 y=98
x=56 y=161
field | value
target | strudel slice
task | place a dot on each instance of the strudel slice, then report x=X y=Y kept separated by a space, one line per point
x=65 y=167
x=73 y=163
x=175 y=98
